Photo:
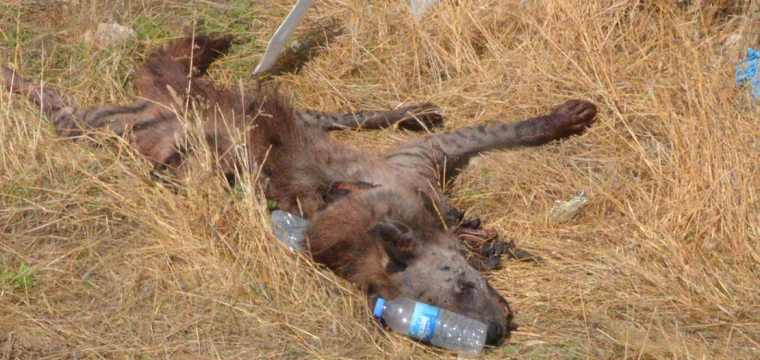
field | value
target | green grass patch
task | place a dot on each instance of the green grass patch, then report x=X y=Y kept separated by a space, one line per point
x=18 y=279
x=151 y=28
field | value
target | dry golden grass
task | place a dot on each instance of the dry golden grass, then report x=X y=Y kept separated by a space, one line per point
x=662 y=263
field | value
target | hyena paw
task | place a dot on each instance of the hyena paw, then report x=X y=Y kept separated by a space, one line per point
x=573 y=117
x=421 y=117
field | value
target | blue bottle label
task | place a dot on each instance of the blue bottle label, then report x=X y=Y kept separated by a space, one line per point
x=424 y=319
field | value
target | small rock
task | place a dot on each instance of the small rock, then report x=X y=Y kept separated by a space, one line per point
x=418 y=6
x=110 y=35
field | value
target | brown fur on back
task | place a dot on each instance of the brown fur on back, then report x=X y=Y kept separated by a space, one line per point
x=275 y=139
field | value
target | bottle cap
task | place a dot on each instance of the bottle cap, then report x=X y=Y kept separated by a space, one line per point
x=379 y=307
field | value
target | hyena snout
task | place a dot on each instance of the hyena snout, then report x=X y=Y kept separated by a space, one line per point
x=500 y=331
x=494 y=334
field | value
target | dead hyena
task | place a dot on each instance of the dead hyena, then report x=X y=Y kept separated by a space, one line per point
x=378 y=221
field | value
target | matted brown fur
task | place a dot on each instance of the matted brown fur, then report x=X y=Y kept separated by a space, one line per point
x=391 y=238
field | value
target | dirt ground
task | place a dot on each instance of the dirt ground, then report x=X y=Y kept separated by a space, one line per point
x=98 y=261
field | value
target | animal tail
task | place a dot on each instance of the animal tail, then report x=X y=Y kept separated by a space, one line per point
x=178 y=66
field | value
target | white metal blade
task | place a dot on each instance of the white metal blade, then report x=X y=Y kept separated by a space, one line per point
x=280 y=37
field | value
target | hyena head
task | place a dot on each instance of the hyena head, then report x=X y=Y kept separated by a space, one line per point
x=428 y=266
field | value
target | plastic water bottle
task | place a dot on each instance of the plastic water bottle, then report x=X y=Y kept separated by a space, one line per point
x=433 y=325
x=290 y=229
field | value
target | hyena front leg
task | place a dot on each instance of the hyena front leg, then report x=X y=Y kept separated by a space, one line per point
x=415 y=117
x=450 y=151
x=155 y=130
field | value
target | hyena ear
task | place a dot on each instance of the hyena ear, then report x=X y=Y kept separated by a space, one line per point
x=398 y=239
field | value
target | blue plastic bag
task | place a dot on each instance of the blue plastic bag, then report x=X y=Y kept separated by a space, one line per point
x=746 y=71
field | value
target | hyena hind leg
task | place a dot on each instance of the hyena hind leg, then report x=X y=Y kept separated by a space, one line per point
x=418 y=117
x=72 y=122
x=154 y=130
x=47 y=99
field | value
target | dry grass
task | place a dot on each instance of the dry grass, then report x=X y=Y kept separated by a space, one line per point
x=97 y=261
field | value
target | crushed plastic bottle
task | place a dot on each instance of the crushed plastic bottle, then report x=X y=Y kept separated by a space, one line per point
x=433 y=325
x=290 y=229
x=566 y=210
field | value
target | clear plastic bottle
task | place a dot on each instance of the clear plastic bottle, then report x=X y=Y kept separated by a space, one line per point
x=433 y=325
x=290 y=229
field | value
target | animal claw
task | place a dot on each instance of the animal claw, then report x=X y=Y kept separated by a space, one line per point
x=574 y=116
x=484 y=249
x=421 y=117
